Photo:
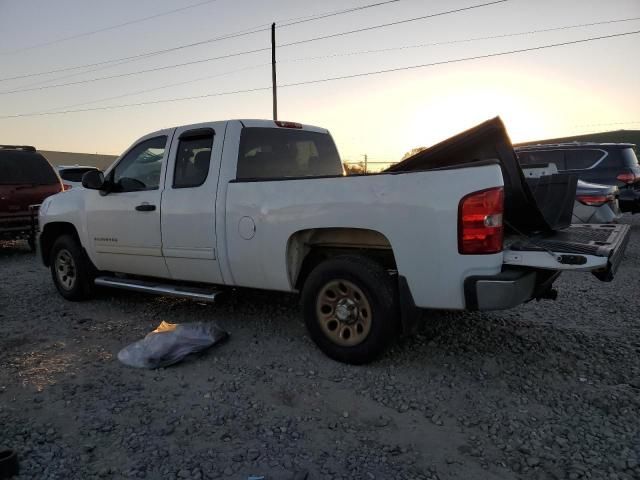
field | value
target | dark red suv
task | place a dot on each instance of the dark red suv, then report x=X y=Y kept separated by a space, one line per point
x=26 y=179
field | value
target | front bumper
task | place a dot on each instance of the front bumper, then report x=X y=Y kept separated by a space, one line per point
x=507 y=289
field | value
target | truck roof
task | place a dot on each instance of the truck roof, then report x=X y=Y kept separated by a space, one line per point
x=246 y=122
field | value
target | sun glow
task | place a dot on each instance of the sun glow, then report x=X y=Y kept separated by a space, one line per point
x=428 y=109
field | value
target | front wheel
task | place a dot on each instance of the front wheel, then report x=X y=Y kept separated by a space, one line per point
x=350 y=308
x=70 y=269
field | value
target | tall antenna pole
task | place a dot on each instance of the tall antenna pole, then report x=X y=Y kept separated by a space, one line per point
x=273 y=71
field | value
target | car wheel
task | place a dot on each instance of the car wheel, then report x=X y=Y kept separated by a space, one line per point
x=350 y=308
x=70 y=269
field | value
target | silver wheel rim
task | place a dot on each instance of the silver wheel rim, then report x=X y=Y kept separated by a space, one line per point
x=344 y=313
x=65 y=269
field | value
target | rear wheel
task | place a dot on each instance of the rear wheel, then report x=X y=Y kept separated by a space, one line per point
x=350 y=308
x=71 y=271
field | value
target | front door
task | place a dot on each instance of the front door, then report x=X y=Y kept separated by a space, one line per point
x=124 y=223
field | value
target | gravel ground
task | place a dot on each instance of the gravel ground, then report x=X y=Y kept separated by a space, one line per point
x=547 y=390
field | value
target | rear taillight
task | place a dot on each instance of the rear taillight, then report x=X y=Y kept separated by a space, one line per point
x=66 y=186
x=594 y=200
x=480 y=229
x=627 y=177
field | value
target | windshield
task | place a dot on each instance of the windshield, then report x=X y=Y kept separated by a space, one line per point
x=19 y=168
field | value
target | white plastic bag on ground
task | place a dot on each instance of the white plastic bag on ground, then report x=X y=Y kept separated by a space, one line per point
x=170 y=343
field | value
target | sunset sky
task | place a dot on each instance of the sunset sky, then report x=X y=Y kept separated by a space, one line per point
x=546 y=93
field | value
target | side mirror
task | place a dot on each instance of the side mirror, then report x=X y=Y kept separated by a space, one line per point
x=93 y=180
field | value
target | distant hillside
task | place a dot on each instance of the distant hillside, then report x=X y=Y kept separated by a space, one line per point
x=618 y=136
x=71 y=158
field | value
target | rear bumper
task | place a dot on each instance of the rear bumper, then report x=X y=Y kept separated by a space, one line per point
x=607 y=213
x=507 y=289
x=19 y=226
x=629 y=199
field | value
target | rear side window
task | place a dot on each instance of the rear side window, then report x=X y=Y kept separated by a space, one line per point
x=629 y=158
x=20 y=168
x=543 y=157
x=283 y=152
x=74 y=174
x=193 y=159
x=582 y=159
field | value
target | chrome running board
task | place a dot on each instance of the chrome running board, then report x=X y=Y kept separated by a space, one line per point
x=146 y=286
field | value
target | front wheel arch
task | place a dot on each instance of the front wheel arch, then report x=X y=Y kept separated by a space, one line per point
x=50 y=233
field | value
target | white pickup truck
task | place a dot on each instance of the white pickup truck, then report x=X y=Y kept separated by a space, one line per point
x=191 y=210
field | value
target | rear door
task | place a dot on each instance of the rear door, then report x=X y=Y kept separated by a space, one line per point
x=188 y=215
x=124 y=224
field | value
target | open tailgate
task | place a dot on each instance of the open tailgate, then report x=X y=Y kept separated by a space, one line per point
x=595 y=248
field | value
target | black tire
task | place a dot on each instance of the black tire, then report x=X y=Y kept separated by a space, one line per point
x=360 y=277
x=67 y=249
x=31 y=241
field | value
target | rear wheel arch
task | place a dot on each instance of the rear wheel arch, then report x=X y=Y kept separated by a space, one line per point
x=306 y=249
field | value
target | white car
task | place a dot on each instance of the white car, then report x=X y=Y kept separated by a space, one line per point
x=71 y=175
x=191 y=210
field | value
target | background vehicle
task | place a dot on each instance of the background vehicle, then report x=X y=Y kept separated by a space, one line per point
x=603 y=163
x=26 y=179
x=71 y=175
x=594 y=203
x=263 y=204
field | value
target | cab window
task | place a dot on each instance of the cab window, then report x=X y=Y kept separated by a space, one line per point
x=275 y=153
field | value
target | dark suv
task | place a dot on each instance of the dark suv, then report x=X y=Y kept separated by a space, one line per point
x=26 y=179
x=604 y=163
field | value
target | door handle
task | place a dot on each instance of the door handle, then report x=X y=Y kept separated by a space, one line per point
x=145 y=207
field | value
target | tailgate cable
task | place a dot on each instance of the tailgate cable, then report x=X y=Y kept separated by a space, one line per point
x=531 y=241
